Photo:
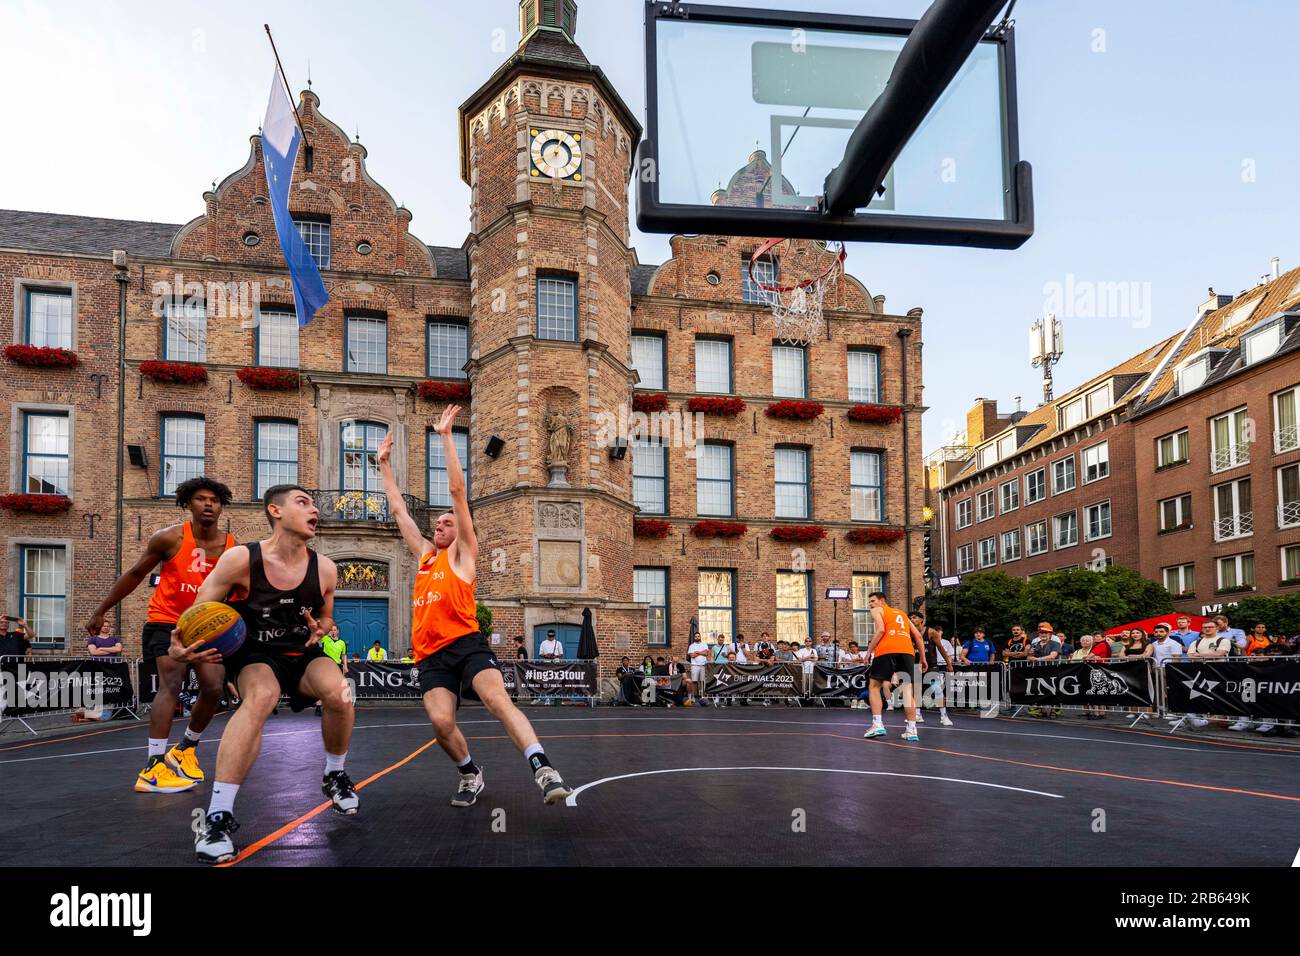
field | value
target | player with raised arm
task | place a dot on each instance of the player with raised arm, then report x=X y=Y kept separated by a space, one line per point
x=451 y=655
x=186 y=553
x=284 y=591
x=895 y=648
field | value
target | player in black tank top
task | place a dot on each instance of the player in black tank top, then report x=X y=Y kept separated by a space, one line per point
x=281 y=654
x=273 y=617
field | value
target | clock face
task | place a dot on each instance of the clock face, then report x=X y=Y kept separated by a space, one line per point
x=556 y=153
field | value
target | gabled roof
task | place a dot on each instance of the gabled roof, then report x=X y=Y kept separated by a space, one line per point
x=1223 y=328
x=1043 y=423
x=92 y=236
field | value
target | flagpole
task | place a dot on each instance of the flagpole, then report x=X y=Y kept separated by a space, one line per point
x=284 y=79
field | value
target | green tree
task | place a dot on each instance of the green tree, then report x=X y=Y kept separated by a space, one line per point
x=1281 y=615
x=987 y=599
x=484 y=614
x=1075 y=602
x=1142 y=597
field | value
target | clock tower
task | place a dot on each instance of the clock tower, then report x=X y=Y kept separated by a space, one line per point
x=547 y=149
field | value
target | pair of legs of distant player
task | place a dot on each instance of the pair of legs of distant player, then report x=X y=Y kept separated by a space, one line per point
x=180 y=759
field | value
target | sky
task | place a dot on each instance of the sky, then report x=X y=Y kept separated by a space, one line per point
x=1162 y=133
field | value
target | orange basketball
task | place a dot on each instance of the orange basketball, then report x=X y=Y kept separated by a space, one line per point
x=214 y=625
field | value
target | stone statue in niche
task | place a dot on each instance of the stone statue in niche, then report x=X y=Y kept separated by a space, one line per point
x=558 y=432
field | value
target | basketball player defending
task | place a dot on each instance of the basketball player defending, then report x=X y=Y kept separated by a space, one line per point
x=450 y=653
x=187 y=553
x=896 y=647
x=284 y=591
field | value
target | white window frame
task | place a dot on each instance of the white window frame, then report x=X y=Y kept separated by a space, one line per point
x=1056 y=533
x=1057 y=488
x=1010 y=554
x=991 y=551
x=1182 y=433
x=965 y=558
x=1286 y=438
x=1014 y=487
x=1288 y=512
x=1239 y=566
x=1029 y=495
x=1193 y=373
x=982 y=514
x=1239 y=524
x=1102 y=449
x=1281 y=559
x=1183 y=514
x=1182 y=576
x=1250 y=353
x=1030 y=551
x=1087 y=520
x=1236 y=453
x=965 y=512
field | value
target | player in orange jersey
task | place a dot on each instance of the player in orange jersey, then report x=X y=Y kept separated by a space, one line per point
x=896 y=647
x=187 y=552
x=451 y=655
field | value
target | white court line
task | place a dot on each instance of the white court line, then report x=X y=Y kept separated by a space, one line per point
x=1296 y=861
x=1226 y=751
x=572 y=799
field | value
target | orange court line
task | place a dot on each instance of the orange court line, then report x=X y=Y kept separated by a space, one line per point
x=295 y=824
x=1088 y=773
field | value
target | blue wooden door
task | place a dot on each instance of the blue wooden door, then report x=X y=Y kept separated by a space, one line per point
x=566 y=634
x=362 y=621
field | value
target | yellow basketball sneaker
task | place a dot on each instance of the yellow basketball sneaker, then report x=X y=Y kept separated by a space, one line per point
x=157 y=777
x=185 y=761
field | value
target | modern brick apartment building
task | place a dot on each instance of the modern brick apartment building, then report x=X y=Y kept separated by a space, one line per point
x=1182 y=462
x=544 y=313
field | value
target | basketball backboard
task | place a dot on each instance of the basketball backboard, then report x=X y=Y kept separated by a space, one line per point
x=749 y=112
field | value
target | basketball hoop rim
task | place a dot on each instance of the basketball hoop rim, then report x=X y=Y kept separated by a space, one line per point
x=770 y=244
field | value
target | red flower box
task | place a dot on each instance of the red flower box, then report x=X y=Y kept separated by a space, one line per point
x=795 y=411
x=175 y=373
x=718 y=529
x=799 y=533
x=36 y=504
x=649 y=402
x=269 y=379
x=875 y=535
x=716 y=406
x=651 y=528
x=40 y=356
x=875 y=414
x=443 y=391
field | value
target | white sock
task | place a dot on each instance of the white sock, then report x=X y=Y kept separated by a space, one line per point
x=911 y=726
x=464 y=763
x=334 y=762
x=223 y=798
x=157 y=746
x=191 y=735
x=533 y=749
x=943 y=711
x=877 y=720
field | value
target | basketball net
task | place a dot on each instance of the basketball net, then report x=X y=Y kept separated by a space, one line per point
x=797 y=309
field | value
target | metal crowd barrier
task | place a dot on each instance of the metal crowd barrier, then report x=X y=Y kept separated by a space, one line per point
x=11 y=711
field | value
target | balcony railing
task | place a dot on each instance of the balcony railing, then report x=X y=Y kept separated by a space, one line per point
x=1288 y=514
x=1231 y=457
x=343 y=505
x=1287 y=438
x=1234 y=526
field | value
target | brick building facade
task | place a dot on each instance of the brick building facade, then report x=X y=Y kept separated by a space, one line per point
x=544 y=313
x=1182 y=462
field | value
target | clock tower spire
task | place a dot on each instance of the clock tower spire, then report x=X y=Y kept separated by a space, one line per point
x=547 y=150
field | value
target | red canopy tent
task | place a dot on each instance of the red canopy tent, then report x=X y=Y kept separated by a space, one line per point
x=1171 y=619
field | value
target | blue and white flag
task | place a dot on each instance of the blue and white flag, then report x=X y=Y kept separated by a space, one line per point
x=280 y=141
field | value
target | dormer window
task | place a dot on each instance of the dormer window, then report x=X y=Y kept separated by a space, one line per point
x=1262 y=341
x=1088 y=405
x=1193 y=373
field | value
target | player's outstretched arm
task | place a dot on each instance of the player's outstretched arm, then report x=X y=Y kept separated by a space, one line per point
x=162 y=547
x=415 y=541
x=466 y=541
